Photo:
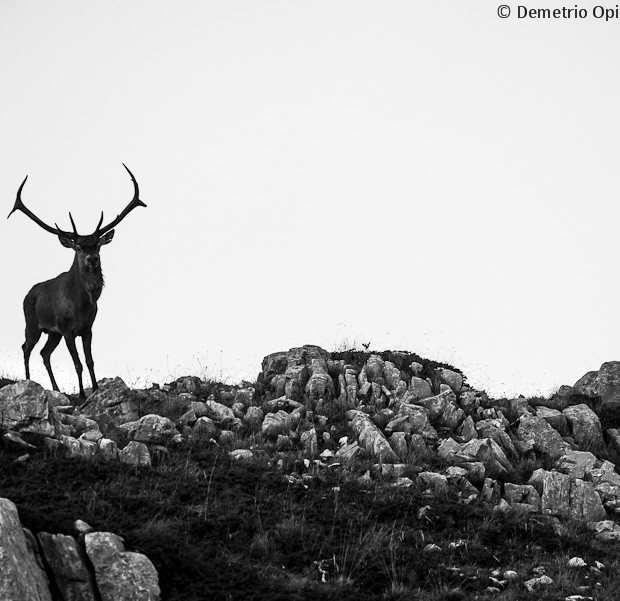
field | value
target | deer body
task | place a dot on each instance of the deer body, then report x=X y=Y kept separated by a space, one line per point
x=66 y=306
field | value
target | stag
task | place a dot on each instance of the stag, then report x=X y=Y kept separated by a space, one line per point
x=66 y=306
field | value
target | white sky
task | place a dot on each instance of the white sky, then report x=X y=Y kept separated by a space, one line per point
x=418 y=175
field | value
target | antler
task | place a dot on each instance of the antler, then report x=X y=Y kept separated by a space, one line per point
x=135 y=202
x=20 y=206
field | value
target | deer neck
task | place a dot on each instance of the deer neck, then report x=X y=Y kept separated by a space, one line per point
x=88 y=281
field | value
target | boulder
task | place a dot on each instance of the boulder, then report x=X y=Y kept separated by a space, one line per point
x=135 y=453
x=67 y=562
x=603 y=384
x=152 y=429
x=451 y=378
x=370 y=437
x=25 y=408
x=585 y=427
x=121 y=575
x=114 y=401
x=21 y=577
x=555 y=418
x=544 y=438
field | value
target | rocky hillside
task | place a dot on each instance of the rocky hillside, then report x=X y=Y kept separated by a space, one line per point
x=390 y=418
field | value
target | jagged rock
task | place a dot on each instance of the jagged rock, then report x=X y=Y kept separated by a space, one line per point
x=556 y=419
x=513 y=409
x=494 y=429
x=488 y=452
x=189 y=384
x=135 y=453
x=490 y=492
x=522 y=494
x=452 y=378
x=467 y=430
x=605 y=531
x=15 y=440
x=563 y=497
x=67 y=562
x=604 y=384
x=555 y=493
x=585 y=427
x=418 y=389
x=452 y=416
x=244 y=396
x=21 y=577
x=470 y=400
x=114 y=400
x=152 y=429
x=544 y=438
x=370 y=437
x=254 y=418
x=281 y=403
x=476 y=472
x=25 y=408
x=576 y=464
x=273 y=364
x=605 y=472
x=348 y=451
x=419 y=421
x=121 y=575
x=391 y=374
x=438 y=483
x=374 y=367
x=205 y=427
x=107 y=448
x=398 y=442
x=78 y=447
x=585 y=504
x=220 y=413
x=281 y=422
x=319 y=386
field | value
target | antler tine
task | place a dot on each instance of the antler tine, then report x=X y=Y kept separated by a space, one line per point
x=73 y=224
x=100 y=222
x=20 y=206
x=135 y=202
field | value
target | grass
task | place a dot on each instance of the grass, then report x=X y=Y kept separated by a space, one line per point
x=220 y=529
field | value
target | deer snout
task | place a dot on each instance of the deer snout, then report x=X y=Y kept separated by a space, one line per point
x=92 y=261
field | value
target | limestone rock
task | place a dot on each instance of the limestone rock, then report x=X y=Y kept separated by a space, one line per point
x=205 y=427
x=153 y=429
x=585 y=427
x=67 y=561
x=25 y=408
x=418 y=389
x=452 y=378
x=556 y=419
x=604 y=384
x=135 y=453
x=544 y=438
x=121 y=575
x=370 y=437
x=585 y=504
x=114 y=400
x=522 y=494
x=21 y=578
x=577 y=464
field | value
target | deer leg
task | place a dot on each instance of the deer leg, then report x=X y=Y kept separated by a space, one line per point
x=31 y=340
x=86 y=341
x=70 y=340
x=52 y=342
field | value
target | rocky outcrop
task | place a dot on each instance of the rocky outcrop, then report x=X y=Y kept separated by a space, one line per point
x=121 y=575
x=29 y=572
x=22 y=578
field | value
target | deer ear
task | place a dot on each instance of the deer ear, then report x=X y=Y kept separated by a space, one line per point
x=106 y=238
x=66 y=242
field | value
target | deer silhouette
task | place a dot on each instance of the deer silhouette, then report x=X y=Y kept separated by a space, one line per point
x=66 y=306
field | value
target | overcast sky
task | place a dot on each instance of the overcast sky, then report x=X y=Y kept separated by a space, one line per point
x=423 y=176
